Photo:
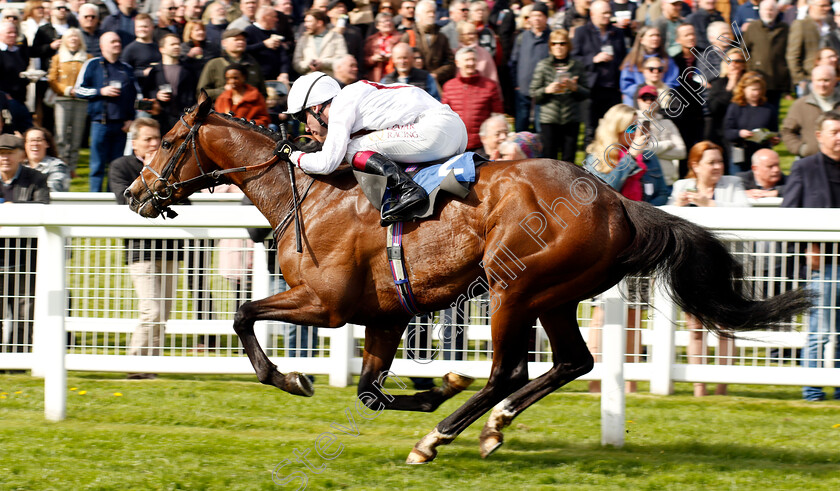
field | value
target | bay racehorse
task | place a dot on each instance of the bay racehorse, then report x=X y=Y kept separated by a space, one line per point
x=539 y=235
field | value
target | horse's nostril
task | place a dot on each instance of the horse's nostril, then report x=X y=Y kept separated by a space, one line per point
x=127 y=193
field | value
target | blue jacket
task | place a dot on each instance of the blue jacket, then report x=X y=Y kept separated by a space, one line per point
x=527 y=52
x=588 y=44
x=631 y=78
x=654 y=189
x=95 y=74
x=808 y=186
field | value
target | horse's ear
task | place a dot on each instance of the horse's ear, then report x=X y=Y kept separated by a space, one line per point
x=205 y=105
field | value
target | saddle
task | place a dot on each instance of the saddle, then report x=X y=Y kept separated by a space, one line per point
x=452 y=176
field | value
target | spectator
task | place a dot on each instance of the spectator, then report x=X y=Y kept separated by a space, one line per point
x=110 y=88
x=705 y=14
x=558 y=88
x=230 y=8
x=623 y=12
x=13 y=61
x=432 y=45
x=765 y=178
x=458 y=11
x=346 y=70
x=353 y=37
x=687 y=120
x=720 y=94
x=669 y=146
x=241 y=99
x=196 y=50
x=575 y=15
x=648 y=44
x=166 y=20
x=493 y=131
x=713 y=60
x=122 y=22
x=39 y=148
x=484 y=63
x=319 y=47
x=509 y=150
x=747 y=113
x=48 y=36
x=473 y=96
x=143 y=52
x=70 y=111
x=531 y=46
x=216 y=22
x=152 y=263
x=764 y=40
x=378 y=47
x=233 y=51
x=804 y=42
x=747 y=12
x=170 y=84
x=35 y=15
x=89 y=24
x=405 y=73
x=487 y=39
x=405 y=19
x=600 y=47
x=265 y=44
x=649 y=11
x=527 y=143
x=828 y=57
x=16 y=118
x=249 y=15
x=799 y=127
x=667 y=26
x=18 y=184
x=193 y=10
x=813 y=183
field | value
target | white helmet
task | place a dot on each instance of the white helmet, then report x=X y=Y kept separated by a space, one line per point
x=310 y=90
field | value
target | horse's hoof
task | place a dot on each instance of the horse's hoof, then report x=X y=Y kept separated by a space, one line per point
x=416 y=457
x=454 y=383
x=489 y=445
x=298 y=384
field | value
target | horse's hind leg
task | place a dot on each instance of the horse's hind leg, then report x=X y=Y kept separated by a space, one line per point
x=294 y=306
x=509 y=373
x=381 y=345
x=571 y=360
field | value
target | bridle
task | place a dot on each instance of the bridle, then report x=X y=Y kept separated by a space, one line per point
x=189 y=143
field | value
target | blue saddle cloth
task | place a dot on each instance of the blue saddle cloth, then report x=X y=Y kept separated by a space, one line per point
x=461 y=166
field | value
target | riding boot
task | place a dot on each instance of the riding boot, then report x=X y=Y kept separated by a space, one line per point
x=405 y=192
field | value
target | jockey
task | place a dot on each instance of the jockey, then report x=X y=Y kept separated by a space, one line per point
x=371 y=126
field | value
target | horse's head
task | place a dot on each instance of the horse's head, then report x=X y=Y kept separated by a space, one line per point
x=177 y=169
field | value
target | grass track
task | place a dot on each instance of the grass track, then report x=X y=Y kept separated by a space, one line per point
x=229 y=432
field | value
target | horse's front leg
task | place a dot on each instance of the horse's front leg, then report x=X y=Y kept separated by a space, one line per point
x=293 y=306
x=381 y=345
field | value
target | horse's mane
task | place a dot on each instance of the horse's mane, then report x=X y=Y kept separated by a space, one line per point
x=250 y=126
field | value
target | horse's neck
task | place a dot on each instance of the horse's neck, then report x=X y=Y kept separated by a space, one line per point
x=269 y=190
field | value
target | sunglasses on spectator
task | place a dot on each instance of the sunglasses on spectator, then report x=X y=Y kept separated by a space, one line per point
x=465 y=10
x=737 y=60
x=12 y=17
x=172 y=8
x=559 y=43
x=655 y=69
x=62 y=7
x=89 y=16
x=648 y=98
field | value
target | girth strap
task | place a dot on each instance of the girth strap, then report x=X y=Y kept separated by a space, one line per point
x=394 y=251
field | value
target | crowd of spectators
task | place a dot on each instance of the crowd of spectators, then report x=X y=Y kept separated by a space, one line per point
x=681 y=72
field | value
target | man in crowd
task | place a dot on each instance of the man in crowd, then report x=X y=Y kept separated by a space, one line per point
x=152 y=263
x=89 y=24
x=746 y=12
x=457 y=12
x=264 y=44
x=18 y=184
x=379 y=46
x=319 y=47
x=249 y=15
x=687 y=121
x=217 y=22
x=531 y=46
x=233 y=51
x=353 y=37
x=110 y=88
x=346 y=70
x=122 y=22
x=705 y=14
x=471 y=95
x=804 y=42
x=799 y=127
x=166 y=22
x=765 y=178
x=432 y=45
x=814 y=182
x=143 y=52
x=170 y=84
x=404 y=72
x=667 y=24
x=493 y=131
x=13 y=60
x=48 y=36
x=600 y=46
x=765 y=39
x=405 y=18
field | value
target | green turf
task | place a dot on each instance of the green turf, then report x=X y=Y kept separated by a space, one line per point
x=229 y=432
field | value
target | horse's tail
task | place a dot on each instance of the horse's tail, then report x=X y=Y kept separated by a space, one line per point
x=705 y=280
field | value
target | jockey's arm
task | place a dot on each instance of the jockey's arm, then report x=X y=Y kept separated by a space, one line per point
x=341 y=120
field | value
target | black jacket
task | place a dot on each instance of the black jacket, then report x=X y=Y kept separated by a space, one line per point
x=748 y=178
x=183 y=98
x=29 y=187
x=588 y=44
x=273 y=62
x=808 y=185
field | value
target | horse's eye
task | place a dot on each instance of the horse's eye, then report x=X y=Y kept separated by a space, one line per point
x=166 y=145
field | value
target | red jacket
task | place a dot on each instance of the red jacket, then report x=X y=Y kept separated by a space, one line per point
x=474 y=99
x=251 y=107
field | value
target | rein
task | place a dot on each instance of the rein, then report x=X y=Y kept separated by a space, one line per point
x=168 y=189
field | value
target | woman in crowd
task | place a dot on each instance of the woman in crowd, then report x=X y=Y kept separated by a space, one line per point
x=34 y=16
x=558 y=87
x=487 y=39
x=707 y=186
x=616 y=155
x=648 y=43
x=748 y=111
x=668 y=144
x=242 y=99
x=70 y=111
x=378 y=48
x=195 y=49
x=720 y=93
x=40 y=155
x=484 y=63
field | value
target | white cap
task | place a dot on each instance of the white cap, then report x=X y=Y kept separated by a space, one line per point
x=310 y=90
